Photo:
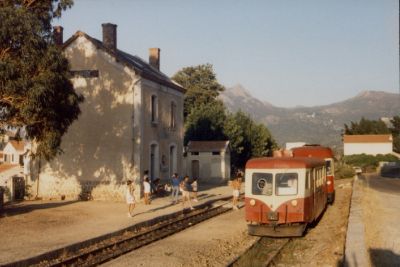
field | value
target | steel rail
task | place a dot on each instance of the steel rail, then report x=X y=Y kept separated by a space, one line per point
x=109 y=249
x=262 y=253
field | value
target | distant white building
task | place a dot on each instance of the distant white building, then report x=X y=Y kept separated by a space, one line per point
x=290 y=145
x=370 y=144
x=208 y=160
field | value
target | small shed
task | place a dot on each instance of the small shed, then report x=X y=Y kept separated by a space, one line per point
x=370 y=144
x=208 y=160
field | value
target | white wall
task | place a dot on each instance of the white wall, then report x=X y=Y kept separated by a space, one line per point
x=212 y=167
x=367 y=148
x=12 y=154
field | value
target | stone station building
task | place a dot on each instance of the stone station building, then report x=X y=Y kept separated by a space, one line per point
x=131 y=121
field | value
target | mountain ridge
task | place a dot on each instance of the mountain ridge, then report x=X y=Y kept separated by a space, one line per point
x=316 y=124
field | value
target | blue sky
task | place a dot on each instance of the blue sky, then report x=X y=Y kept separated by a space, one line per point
x=286 y=52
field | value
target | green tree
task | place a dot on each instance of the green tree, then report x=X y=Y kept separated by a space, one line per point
x=35 y=90
x=206 y=122
x=366 y=126
x=248 y=139
x=201 y=85
x=395 y=129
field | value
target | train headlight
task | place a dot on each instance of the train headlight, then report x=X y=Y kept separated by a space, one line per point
x=252 y=202
x=294 y=203
x=328 y=182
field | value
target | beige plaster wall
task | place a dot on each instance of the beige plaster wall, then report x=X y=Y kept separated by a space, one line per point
x=161 y=133
x=98 y=148
x=110 y=142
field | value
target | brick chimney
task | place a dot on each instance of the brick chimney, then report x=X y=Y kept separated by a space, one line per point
x=58 y=35
x=154 y=57
x=110 y=36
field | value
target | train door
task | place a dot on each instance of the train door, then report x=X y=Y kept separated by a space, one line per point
x=314 y=199
x=308 y=194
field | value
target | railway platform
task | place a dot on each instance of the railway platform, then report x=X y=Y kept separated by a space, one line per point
x=373 y=235
x=31 y=228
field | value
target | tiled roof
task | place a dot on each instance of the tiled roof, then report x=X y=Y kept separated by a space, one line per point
x=368 y=138
x=18 y=145
x=5 y=167
x=207 y=146
x=143 y=68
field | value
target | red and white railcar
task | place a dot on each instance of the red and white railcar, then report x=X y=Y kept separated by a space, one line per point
x=326 y=154
x=283 y=195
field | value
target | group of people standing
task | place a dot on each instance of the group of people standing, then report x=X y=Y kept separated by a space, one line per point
x=187 y=187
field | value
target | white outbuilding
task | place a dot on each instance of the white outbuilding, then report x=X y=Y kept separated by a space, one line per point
x=208 y=160
x=370 y=144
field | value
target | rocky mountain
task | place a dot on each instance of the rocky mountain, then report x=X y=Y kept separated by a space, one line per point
x=319 y=124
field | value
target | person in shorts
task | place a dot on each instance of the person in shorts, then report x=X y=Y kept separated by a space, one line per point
x=236 y=185
x=185 y=185
x=130 y=197
x=194 y=185
x=146 y=189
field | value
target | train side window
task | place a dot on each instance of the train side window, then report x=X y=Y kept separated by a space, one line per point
x=286 y=184
x=308 y=180
x=262 y=184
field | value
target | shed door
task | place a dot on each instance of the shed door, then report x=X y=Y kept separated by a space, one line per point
x=195 y=168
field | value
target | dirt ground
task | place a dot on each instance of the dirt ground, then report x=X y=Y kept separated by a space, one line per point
x=381 y=202
x=212 y=243
x=323 y=245
x=34 y=227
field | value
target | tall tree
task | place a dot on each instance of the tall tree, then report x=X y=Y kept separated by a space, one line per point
x=35 y=90
x=395 y=129
x=206 y=122
x=248 y=139
x=201 y=84
x=366 y=126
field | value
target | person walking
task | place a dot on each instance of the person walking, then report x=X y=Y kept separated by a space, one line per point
x=130 y=197
x=175 y=188
x=186 y=193
x=236 y=185
x=146 y=188
x=194 y=189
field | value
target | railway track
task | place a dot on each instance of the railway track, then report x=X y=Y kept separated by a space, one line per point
x=116 y=246
x=262 y=253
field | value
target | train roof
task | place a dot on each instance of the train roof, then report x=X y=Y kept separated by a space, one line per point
x=284 y=163
x=313 y=151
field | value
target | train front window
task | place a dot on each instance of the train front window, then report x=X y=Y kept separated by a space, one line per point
x=262 y=184
x=286 y=184
x=328 y=167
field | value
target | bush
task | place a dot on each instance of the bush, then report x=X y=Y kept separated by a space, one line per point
x=344 y=171
x=368 y=162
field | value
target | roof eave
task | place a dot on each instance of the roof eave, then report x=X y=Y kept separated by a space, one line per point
x=120 y=59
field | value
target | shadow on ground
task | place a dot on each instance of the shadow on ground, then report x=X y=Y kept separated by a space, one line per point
x=22 y=207
x=383 y=257
x=199 y=197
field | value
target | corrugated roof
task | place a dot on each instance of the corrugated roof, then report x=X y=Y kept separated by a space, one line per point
x=207 y=146
x=143 y=68
x=368 y=138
